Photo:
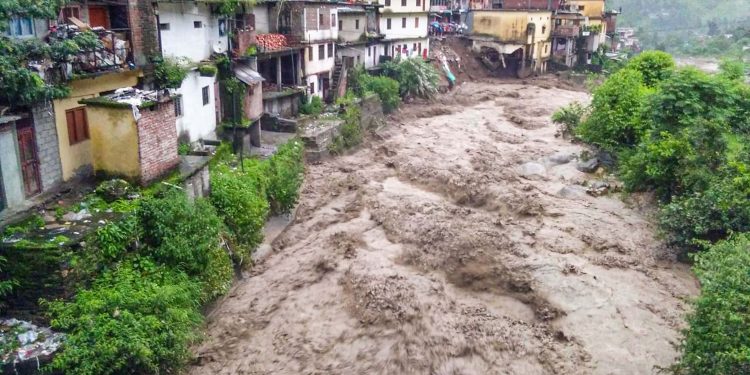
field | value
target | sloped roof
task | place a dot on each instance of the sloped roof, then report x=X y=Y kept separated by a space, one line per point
x=247 y=75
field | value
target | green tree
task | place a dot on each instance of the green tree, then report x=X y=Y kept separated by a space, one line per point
x=654 y=66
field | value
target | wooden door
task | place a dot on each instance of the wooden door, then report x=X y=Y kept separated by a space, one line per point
x=98 y=17
x=29 y=162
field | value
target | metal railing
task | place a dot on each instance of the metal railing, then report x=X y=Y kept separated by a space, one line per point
x=115 y=52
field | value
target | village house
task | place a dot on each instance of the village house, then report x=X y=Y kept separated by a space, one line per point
x=405 y=26
x=359 y=34
x=516 y=42
x=190 y=33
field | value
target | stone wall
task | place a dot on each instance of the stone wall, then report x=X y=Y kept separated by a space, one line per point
x=157 y=141
x=47 y=145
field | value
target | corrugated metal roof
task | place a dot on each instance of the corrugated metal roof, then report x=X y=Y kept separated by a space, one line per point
x=245 y=74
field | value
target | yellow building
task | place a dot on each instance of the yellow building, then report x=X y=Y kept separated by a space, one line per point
x=72 y=120
x=518 y=41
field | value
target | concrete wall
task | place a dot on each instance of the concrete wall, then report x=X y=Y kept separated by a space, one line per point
x=183 y=39
x=510 y=26
x=114 y=141
x=10 y=170
x=316 y=65
x=412 y=6
x=262 y=22
x=77 y=158
x=197 y=120
x=591 y=8
x=314 y=30
x=353 y=26
x=284 y=106
x=47 y=145
x=253 y=105
x=412 y=30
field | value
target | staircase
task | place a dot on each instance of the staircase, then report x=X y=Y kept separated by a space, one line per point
x=339 y=76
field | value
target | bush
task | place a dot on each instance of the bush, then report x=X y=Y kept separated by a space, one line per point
x=180 y=234
x=387 y=90
x=718 y=340
x=569 y=117
x=350 y=132
x=615 y=120
x=169 y=73
x=285 y=174
x=218 y=275
x=733 y=70
x=240 y=198
x=654 y=66
x=138 y=318
x=415 y=77
x=313 y=108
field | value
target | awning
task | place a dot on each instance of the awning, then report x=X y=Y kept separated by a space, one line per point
x=245 y=74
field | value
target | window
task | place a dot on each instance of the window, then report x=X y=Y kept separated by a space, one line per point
x=206 y=98
x=320 y=20
x=78 y=126
x=21 y=26
x=178 y=106
x=333 y=21
x=544 y=29
x=546 y=48
x=403 y=3
x=416 y=22
x=403 y=23
x=72 y=11
x=163 y=26
x=321 y=52
x=312 y=87
x=309 y=54
x=419 y=47
x=388 y=23
x=341 y=23
x=197 y=24
x=330 y=50
x=369 y=52
x=419 y=3
x=387 y=3
x=356 y=24
x=414 y=47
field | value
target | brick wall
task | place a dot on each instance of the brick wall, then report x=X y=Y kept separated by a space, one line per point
x=48 y=148
x=157 y=141
x=144 y=36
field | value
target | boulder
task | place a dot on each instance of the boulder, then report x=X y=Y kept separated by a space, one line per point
x=532 y=170
x=561 y=158
x=588 y=166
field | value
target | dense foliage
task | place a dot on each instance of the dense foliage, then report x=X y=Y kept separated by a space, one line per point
x=415 y=76
x=387 y=89
x=312 y=107
x=137 y=318
x=285 y=173
x=718 y=341
x=684 y=133
x=169 y=72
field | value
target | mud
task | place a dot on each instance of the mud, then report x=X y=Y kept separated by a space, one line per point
x=430 y=251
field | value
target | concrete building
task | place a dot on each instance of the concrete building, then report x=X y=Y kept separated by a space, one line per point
x=405 y=26
x=192 y=32
x=360 y=38
x=516 y=42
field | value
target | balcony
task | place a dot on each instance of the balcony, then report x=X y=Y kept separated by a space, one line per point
x=566 y=31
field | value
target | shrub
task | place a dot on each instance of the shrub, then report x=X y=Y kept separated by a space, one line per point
x=207 y=70
x=733 y=70
x=415 y=77
x=314 y=107
x=218 y=275
x=169 y=73
x=113 y=239
x=178 y=233
x=240 y=198
x=387 y=90
x=137 y=318
x=718 y=341
x=350 y=132
x=285 y=174
x=654 y=66
x=615 y=120
x=569 y=117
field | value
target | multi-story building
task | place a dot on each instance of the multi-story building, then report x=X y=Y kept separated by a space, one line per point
x=405 y=26
x=516 y=42
x=190 y=33
x=359 y=34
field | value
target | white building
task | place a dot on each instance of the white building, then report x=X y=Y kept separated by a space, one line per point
x=188 y=30
x=359 y=34
x=320 y=33
x=405 y=26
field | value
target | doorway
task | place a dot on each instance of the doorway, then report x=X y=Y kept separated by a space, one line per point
x=98 y=17
x=29 y=161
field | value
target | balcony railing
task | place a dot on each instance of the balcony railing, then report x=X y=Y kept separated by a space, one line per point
x=115 y=53
x=566 y=31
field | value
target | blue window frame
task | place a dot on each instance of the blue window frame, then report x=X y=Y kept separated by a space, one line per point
x=21 y=26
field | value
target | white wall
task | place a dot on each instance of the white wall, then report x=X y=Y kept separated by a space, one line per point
x=329 y=31
x=316 y=65
x=411 y=6
x=425 y=44
x=317 y=79
x=197 y=119
x=368 y=55
x=262 y=21
x=349 y=30
x=398 y=32
x=183 y=39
